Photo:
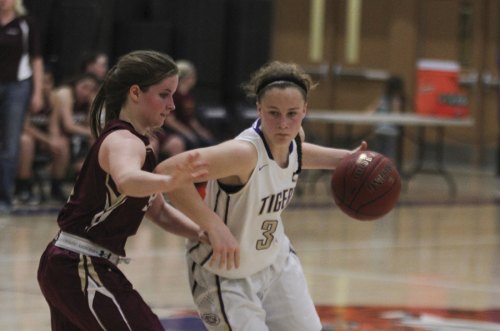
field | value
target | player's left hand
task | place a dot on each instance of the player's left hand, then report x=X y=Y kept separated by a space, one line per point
x=192 y=170
x=362 y=147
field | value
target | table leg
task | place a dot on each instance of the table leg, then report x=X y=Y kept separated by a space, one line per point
x=420 y=153
x=439 y=169
x=400 y=149
x=440 y=162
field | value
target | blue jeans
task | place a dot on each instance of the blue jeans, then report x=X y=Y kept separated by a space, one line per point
x=14 y=101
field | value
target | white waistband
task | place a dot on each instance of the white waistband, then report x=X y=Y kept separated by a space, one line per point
x=86 y=247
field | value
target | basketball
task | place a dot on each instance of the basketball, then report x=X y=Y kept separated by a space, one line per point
x=366 y=185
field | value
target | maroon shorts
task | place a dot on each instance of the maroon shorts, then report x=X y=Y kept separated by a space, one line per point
x=89 y=293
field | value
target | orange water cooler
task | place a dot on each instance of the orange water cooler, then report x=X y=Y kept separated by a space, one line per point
x=438 y=91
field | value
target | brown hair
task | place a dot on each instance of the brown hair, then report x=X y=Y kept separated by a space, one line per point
x=144 y=68
x=278 y=74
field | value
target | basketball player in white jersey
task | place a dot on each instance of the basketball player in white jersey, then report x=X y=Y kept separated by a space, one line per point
x=251 y=181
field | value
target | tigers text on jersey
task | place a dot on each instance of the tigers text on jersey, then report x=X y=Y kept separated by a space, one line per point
x=253 y=214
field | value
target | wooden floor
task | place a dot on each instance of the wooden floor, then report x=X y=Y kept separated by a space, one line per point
x=432 y=252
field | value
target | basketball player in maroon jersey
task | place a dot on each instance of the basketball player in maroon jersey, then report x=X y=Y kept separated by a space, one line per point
x=78 y=272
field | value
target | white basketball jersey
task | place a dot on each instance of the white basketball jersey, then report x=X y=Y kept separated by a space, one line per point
x=253 y=213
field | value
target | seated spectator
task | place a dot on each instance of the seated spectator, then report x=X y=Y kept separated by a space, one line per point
x=184 y=123
x=41 y=136
x=72 y=102
x=96 y=63
x=182 y=130
x=166 y=144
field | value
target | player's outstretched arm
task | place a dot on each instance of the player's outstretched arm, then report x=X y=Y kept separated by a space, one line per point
x=172 y=220
x=320 y=157
x=122 y=155
x=228 y=159
x=232 y=160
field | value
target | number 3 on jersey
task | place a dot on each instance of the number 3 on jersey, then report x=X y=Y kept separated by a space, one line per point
x=268 y=228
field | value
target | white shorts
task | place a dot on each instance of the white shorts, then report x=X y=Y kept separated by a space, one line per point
x=275 y=298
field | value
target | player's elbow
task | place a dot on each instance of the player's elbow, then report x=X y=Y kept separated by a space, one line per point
x=122 y=187
x=125 y=185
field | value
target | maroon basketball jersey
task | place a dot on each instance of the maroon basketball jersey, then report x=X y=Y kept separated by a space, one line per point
x=96 y=210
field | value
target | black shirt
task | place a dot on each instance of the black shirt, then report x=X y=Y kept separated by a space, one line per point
x=18 y=39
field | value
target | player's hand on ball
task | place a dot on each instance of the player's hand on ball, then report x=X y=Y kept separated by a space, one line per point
x=362 y=147
x=366 y=185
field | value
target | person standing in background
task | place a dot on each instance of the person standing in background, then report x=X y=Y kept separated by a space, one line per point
x=21 y=77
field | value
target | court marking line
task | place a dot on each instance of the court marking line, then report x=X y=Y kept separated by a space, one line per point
x=403 y=279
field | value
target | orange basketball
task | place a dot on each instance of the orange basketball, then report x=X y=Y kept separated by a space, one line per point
x=366 y=185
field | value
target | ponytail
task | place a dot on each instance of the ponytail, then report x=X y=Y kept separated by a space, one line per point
x=96 y=112
x=143 y=68
x=298 y=141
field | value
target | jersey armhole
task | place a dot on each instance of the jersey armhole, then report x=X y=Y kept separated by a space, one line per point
x=230 y=189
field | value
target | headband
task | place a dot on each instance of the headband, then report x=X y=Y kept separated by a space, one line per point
x=284 y=78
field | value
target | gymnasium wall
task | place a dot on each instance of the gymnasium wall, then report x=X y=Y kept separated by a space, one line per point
x=229 y=39
x=220 y=37
x=393 y=36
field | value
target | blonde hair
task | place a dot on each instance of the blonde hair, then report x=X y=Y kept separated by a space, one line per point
x=19 y=8
x=186 y=68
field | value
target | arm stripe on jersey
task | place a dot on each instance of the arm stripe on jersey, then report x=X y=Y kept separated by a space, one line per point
x=217 y=200
x=226 y=212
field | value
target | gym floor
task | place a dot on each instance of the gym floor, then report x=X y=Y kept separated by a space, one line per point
x=433 y=263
